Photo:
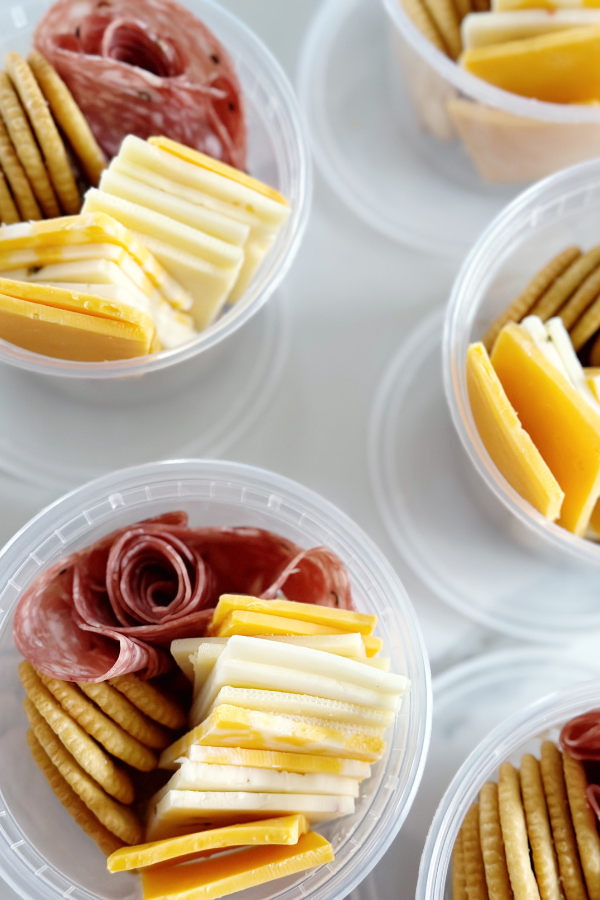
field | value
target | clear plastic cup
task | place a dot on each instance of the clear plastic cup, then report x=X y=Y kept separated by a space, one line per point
x=559 y=211
x=43 y=853
x=277 y=154
x=522 y=733
x=477 y=132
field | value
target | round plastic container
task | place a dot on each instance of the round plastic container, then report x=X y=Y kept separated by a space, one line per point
x=473 y=130
x=447 y=525
x=43 y=853
x=277 y=154
x=522 y=733
x=469 y=700
x=559 y=211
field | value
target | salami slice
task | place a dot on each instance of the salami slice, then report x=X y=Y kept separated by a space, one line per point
x=115 y=607
x=146 y=67
x=580 y=737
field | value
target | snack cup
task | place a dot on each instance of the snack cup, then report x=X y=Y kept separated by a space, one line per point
x=560 y=211
x=278 y=154
x=43 y=853
x=521 y=733
x=477 y=132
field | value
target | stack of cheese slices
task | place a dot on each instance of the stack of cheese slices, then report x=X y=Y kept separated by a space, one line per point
x=286 y=724
x=209 y=224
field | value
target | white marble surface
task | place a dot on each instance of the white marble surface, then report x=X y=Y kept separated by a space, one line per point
x=353 y=296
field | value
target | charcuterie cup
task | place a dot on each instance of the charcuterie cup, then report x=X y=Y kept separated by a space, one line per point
x=520 y=734
x=43 y=853
x=558 y=212
x=277 y=154
x=476 y=132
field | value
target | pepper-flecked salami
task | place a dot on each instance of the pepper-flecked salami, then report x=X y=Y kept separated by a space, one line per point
x=114 y=607
x=146 y=67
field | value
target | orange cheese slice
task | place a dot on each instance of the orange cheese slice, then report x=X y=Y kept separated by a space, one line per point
x=220 y=168
x=207 y=880
x=253 y=624
x=564 y=428
x=340 y=619
x=283 y=830
x=63 y=334
x=557 y=68
x=510 y=447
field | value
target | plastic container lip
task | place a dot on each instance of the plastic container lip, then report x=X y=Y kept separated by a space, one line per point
x=534 y=207
x=129 y=495
x=283 y=120
x=478 y=89
x=481 y=766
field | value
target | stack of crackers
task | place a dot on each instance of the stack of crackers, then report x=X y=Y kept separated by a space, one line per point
x=569 y=287
x=532 y=836
x=439 y=21
x=90 y=739
x=41 y=130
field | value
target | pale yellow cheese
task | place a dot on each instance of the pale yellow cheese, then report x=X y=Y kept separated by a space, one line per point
x=289 y=761
x=230 y=726
x=228 y=173
x=340 y=619
x=164 y=228
x=254 y=253
x=304 y=705
x=253 y=624
x=508 y=5
x=140 y=160
x=482 y=29
x=182 y=210
x=92 y=228
x=219 y=877
x=69 y=335
x=179 y=812
x=283 y=830
x=208 y=285
x=198 y=776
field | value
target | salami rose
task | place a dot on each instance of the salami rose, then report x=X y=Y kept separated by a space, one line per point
x=115 y=607
x=146 y=67
x=580 y=737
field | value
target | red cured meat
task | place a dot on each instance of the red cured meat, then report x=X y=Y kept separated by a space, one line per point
x=580 y=737
x=115 y=607
x=146 y=67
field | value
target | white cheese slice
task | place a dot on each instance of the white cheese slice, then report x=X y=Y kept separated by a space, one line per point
x=255 y=251
x=164 y=228
x=148 y=175
x=179 y=810
x=241 y=673
x=205 y=220
x=209 y=285
x=315 y=662
x=481 y=29
x=304 y=705
x=197 y=776
x=229 y=191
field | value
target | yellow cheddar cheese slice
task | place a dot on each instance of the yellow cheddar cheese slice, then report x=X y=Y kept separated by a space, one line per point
x=284 y=830
x=508 y=444
x=75 y=301
x=62 y=334
x=91 y=228
x=231 y=726
x=219 y=168
x=339 y=619
x=254 y=624
x=509 y=5
x=284 y=761
x=563 y=427
x=209 y=879
x=556 y=68
x=373 y=645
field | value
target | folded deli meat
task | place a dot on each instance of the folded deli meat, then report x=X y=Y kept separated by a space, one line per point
x=146 y=68
x=112 y=608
